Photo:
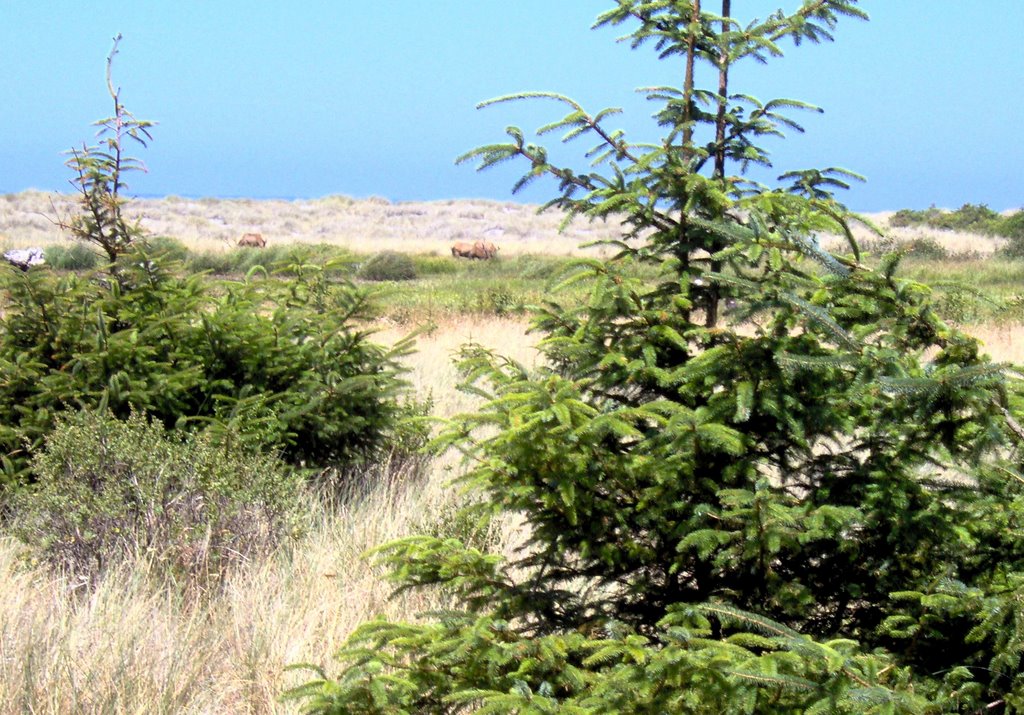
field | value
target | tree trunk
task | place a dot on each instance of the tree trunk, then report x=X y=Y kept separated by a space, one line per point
x=714 y=292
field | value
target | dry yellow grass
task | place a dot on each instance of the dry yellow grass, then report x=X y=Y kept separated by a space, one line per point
x=131 y=646
x=953 y=242
x=373 y=224
x=362 y=225
x=1003 y=342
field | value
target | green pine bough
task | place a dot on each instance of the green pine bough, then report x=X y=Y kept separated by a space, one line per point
x=772 y=481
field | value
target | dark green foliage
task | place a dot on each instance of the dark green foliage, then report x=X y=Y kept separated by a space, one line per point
x=813 y=504
x=971 y=218
x=434 y=265
x=166 y=248
x=388 y=266
x=925 y=248
x=282 y=363
x=1013 y=229
x=1012 y=226
x=333 y=260
x=76 y=257
x=111 y=490
x=909 y=217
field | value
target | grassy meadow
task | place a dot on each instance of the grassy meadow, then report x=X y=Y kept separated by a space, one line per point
x=136 y=645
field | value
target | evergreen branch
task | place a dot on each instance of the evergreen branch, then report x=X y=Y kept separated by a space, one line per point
x=784 y=681
x=761 y=623
x=815 y=362
x=821 y=317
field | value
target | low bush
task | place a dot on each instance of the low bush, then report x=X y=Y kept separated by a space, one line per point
x=110 y=490
x=499 y=300
x=283 y=363
x=430 y=265
x=924 y=248
x=532 y=267
x=280 y=258
x=388 y=266
x=1012 y=226
x=908 y=217
x=1013 y=249
x=167 y=248
x=217 y=263
x=1013 y=229
x=971 y=218
x=75 y=257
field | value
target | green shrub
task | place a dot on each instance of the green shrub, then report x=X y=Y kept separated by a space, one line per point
x=963 y=304
x=218 y=263
x=279 y=258
x=110 y=490
x=909 y=217
x=978 y=218
x=1013 y=249
x=971 y=218
x=282 y=362
x=388 y=266
x=498 y=300
x=434 y=265
x=1012 y=228
x=76 y=257
x=924 y=248
x=166 y=248
x=531 y=267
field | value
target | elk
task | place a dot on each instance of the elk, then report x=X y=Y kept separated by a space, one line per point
x=479 y=249
x=253 y=240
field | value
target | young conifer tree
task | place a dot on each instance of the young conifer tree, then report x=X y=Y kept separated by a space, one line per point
x=802 y=506
x=100 y=177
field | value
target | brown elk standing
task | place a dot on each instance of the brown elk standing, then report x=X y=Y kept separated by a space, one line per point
x=253 y=240
x=480 y=249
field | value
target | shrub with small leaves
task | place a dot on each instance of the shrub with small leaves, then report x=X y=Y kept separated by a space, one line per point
x=76 y=257
x=166 y=248
x=925 y=248
x=1013 y=229
x=1012 y=226
x=388 y=266
x=111 y=490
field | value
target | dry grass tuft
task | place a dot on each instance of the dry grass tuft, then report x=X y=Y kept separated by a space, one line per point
x=1003 y=342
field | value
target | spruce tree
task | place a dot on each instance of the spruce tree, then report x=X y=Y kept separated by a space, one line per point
x=100 y=177
x=809 y=503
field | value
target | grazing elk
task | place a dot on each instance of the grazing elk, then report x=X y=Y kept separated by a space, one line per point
x=480 y=249
x=253 y=240
x=491 y=249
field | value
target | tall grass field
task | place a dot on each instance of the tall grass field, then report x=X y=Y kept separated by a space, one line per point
x=135 y=644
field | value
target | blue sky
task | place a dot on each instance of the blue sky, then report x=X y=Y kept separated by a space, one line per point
x=319 y=97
